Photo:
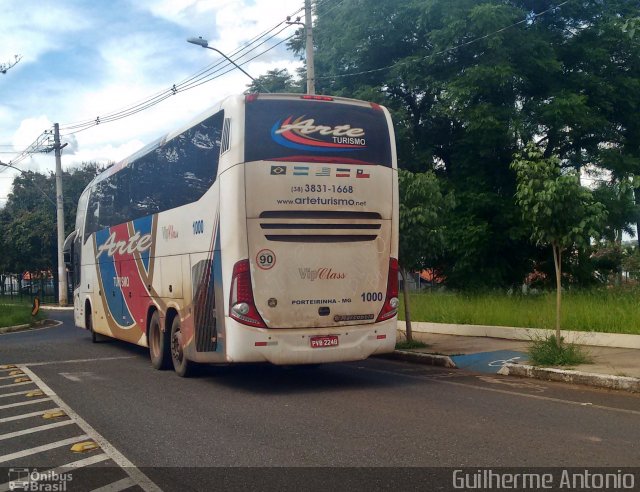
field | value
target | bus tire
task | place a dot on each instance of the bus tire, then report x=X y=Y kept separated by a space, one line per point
x=159 y=346
x=89 y=325
x=183 y=367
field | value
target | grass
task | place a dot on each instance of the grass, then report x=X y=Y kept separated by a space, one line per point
x=407 y=345
x=17 y=313
x=602 y=310
x=546 y=352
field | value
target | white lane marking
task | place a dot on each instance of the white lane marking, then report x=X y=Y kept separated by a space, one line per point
x=11 y=377
x=92 y=460
x=135 y=473
x=27 y=415
x=40 y=449
x=73 y=361
x=507 y=392
x=514 y=384
x=123 y=484
x=6 y=395
x=78 y=377
x=23 y=403
x=33 y=430
x=15 y=384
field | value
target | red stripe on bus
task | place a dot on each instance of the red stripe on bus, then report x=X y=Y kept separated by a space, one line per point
x=135 y=294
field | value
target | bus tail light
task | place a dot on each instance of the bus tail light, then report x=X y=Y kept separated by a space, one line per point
x=313 y=97
x=391 y=301
x=241 y=305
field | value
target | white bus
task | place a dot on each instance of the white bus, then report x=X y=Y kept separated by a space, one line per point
x=266 y=230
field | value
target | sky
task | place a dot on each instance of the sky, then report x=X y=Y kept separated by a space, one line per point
x=82 y=59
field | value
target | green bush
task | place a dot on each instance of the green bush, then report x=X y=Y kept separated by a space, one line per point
x=17 y=314
x=547 y=352
x=406 y=345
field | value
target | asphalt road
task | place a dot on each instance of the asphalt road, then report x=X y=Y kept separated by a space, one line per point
x=374 y=413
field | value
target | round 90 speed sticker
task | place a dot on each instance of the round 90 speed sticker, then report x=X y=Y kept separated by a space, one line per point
x=265 y=259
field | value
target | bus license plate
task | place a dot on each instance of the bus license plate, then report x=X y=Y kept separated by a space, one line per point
x=324 y=341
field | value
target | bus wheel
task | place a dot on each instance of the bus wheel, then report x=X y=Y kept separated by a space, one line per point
x=158 y=341
x=89 y=325
x=182 y=366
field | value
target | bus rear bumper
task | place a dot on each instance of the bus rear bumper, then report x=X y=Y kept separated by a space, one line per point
x=294 y=346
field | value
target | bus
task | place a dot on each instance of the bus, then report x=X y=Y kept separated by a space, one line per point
x=264 y=231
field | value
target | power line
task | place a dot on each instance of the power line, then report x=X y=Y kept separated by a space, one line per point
x=226 y=64
x=43 y=141
x=176 y=88
x=528 y=18
x=330 y=9
x=173 y=91
x=191 y=86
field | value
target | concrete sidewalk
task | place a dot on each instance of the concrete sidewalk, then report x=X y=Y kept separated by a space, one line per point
x=611 y=367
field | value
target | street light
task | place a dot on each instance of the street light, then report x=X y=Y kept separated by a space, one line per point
x=205 y=44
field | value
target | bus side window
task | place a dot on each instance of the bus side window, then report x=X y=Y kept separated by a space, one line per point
x=177 y=172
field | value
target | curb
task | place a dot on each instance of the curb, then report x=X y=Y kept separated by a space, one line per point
x=49 y=307
x=421 y=358
x=589 y=338
x=47 y=323
x=9 y=329
x=623 y=383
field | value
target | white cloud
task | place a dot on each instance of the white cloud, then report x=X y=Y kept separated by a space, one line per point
x=85 y=59
x=105 y=154
x=70 y=143
x=29 y=130
x=31 y=30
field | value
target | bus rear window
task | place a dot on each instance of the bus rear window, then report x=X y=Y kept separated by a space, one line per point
x=316 y=131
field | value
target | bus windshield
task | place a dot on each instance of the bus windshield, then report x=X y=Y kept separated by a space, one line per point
x=314 y=131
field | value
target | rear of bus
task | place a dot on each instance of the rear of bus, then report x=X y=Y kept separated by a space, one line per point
x=320 y=283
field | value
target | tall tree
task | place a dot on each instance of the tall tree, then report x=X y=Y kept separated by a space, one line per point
x=468 y=81
x=28 y=221
x=560 y=212
x=276 y=80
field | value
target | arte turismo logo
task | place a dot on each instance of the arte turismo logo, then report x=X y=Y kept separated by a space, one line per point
x=305 y=134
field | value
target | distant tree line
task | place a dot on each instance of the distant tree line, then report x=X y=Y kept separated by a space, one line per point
x=28 y=238
x=470 y=83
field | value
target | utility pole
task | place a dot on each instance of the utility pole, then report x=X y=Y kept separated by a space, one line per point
x=308 y=24
x=62 y=271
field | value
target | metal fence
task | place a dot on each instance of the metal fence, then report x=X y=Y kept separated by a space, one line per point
x=15 y=286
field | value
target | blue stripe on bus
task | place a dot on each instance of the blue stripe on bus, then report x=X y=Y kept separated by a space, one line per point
x=113 y=295
x=143 y=226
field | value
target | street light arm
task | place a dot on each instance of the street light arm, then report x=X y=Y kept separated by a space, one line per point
x=205 y=44
x=33 y=182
